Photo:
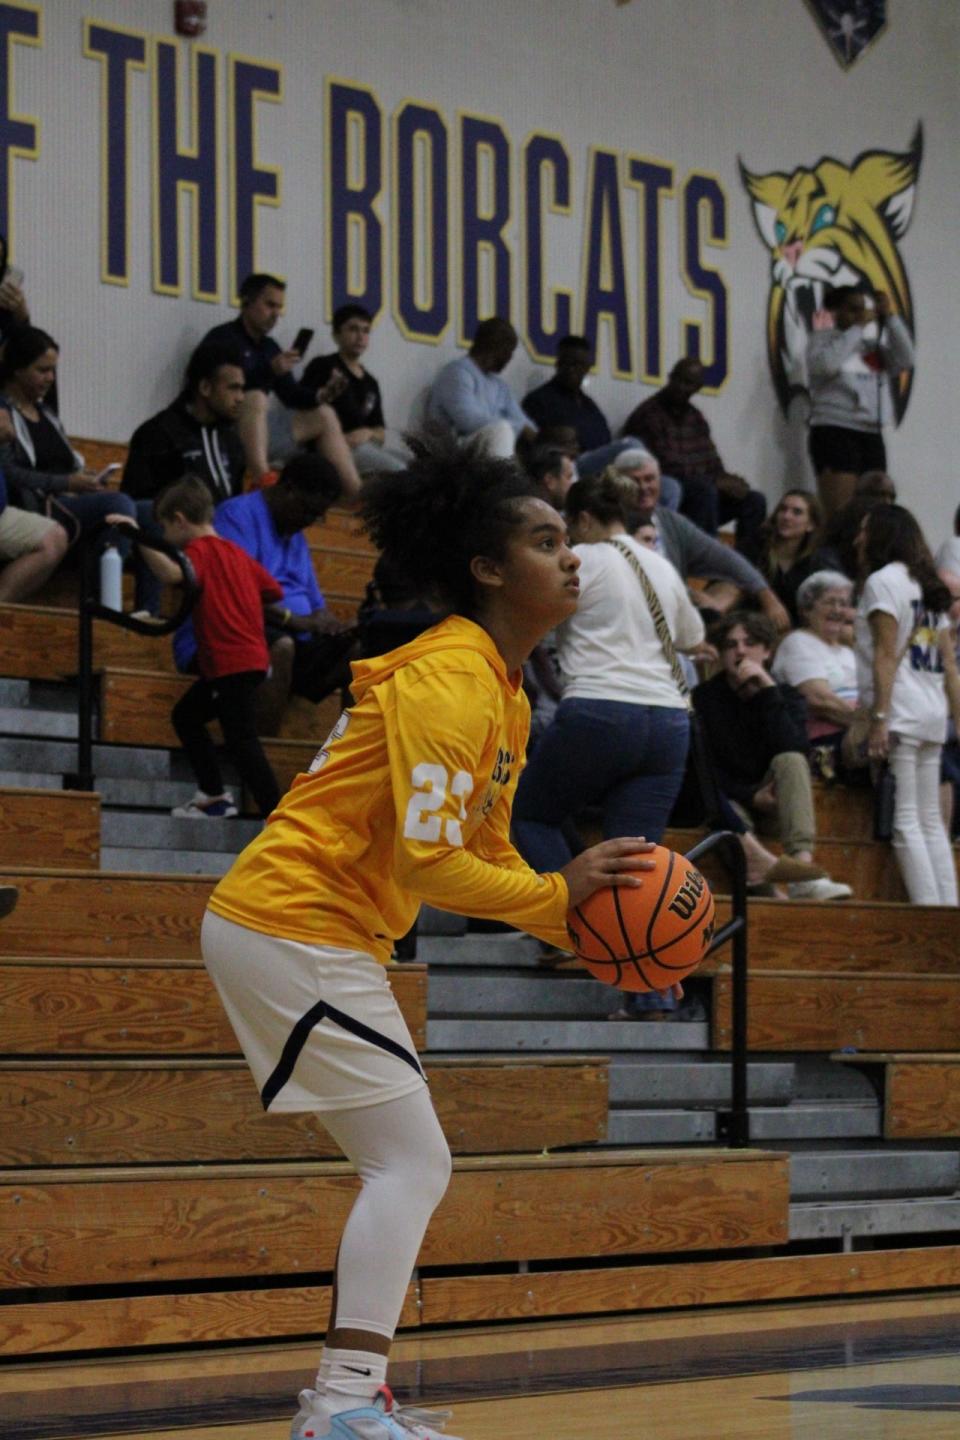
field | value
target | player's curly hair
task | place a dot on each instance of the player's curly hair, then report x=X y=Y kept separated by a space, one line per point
x=432 y=519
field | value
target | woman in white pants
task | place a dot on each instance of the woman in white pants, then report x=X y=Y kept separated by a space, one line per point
x=907 y=676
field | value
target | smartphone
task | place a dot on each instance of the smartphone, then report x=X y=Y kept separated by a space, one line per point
x=106 y=472
x=302 y=342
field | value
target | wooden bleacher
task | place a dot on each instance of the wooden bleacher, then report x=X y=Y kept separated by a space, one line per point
x=58 y=828
x=40 y=643
x=191 y=1227
x=869 y=866
x=921 y=1092
x=119 y=954
x=135 y=708
x=795 y=1010
x=181 y=1111
x=146 y=1200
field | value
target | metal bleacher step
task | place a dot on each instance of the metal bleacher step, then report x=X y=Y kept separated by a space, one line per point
x=861 y=1172
x=31 y=780
x=694 y=1082
x=498 y=951
x=166 y=862
x=22 y=751
x=561 y=1035
x=472 y=993
x=122 y=829
x=816 y=1120
x=51 y=724
x=661 y=1127
x=919 y=1215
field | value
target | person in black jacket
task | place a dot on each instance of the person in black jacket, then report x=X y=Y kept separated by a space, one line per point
x=756 y=737
x=196 y=435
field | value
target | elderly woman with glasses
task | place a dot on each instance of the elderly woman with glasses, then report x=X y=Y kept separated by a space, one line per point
x=819 y=662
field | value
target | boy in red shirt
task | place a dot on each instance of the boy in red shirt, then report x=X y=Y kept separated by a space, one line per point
x=232 y=653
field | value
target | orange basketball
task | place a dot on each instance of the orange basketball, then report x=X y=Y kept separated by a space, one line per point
x=646 y=938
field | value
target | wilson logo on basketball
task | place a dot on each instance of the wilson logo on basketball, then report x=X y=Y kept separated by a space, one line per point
x=687 y=898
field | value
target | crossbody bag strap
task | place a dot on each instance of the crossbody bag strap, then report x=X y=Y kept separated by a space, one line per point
x=658 y=618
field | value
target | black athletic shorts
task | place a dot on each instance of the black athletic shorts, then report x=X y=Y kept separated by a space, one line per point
x=832 y=447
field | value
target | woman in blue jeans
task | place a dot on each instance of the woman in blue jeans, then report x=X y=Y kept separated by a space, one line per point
x=620 y=734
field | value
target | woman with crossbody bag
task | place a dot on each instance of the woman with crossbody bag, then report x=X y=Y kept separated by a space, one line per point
x=907 y=677
x=619 y=738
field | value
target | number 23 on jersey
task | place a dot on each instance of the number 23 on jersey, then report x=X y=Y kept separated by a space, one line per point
x=431 y=783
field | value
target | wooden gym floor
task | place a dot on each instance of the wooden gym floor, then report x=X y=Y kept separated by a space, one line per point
x=883 y=1369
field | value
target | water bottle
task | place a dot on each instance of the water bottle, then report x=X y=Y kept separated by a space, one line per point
x=111 y=578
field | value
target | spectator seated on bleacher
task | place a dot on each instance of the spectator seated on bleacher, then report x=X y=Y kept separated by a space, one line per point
x=818 y=662
x=731 y=578
x=31 y=546
x=44 y=473
x=755 y=733
x=359 y=405
x=678 y=434
x=562 y=401
x=309 y=647
x=551 y=467
x=280 y=415
x=788 y=548
x=469 y=401
x=636 y=463
x=196 y=435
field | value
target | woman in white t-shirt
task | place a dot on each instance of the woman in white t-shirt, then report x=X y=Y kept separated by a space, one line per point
x=816 y=661
x=620 y=734
x=907 y=674
x=619 y=738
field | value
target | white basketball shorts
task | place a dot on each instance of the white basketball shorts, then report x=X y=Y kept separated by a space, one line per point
x=319 y=1026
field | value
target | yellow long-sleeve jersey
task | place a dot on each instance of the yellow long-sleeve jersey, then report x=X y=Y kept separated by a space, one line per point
x=408 y=800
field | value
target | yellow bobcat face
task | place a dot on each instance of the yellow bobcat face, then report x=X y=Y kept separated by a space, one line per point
x=832 y=225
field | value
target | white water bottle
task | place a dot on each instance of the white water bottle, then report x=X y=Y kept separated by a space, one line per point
x=111 y=578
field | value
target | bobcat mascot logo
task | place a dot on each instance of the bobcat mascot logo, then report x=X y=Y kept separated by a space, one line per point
x=832 y=225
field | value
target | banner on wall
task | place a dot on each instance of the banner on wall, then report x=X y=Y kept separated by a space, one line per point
x=827 y=225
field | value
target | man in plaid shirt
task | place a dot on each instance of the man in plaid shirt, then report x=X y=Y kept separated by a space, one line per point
x=677 y=433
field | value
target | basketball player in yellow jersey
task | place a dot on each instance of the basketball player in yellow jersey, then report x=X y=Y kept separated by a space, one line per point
x=408 y=801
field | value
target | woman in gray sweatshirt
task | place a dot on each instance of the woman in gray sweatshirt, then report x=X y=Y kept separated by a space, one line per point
x=849 y=368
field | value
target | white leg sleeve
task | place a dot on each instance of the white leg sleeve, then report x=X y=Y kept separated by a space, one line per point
x=402 y=1157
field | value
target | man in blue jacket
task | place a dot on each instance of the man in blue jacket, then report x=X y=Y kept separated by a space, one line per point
x=309 y=646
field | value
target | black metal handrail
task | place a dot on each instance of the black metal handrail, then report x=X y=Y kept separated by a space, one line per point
x=734 y=1124
x=90 y=609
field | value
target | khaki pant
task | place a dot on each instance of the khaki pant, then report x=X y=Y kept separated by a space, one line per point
x=794 y=824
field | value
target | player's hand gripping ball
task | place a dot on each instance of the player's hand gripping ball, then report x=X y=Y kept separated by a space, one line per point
x=650 y=937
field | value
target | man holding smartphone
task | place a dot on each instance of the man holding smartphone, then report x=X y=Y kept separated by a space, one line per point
x=300 y=415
